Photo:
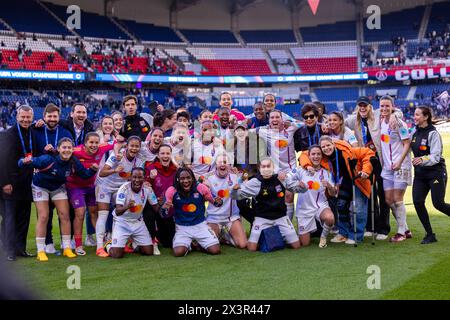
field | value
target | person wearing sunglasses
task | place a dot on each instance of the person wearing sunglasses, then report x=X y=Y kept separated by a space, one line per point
x=366 y=124
x=309 y=134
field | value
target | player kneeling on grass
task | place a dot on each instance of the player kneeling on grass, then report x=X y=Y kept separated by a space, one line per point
x=49 y=183
x=268 y=190
x=128 y=220
x=338 y=158
x=187 y=197
x=313 y=185
x=226 y=218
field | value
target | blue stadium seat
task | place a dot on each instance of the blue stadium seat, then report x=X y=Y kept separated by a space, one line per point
x=268 y=36
x=29 y=16
x=92 y=25
x=209 y=36
x=405 y=23
x=150 y=32
x=439 y=17
x=340 y=31
x=337 y=94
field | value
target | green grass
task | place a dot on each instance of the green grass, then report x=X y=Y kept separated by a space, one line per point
x=409 y=270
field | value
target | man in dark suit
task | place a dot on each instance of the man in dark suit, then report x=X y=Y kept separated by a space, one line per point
x=15 y=184
x=78 y=123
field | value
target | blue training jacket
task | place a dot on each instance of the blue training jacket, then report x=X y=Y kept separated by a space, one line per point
x=52 y=171
x=40 y=139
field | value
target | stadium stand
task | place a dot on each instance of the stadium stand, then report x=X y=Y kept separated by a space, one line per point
x=439 y=18
x=231 y=61
x=94 y=25
x=327 y=58
x=34 y=19
x=340 y=31
x=150 y=32
x=403 y=23
x=209 y=36
x=268 y=36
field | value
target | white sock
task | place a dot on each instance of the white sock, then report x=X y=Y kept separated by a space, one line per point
x=290 y=210
x=40 y=244
x=326 y=230
x=401 y=217
x=394 y=211
x=66 y=241
x=100 y=227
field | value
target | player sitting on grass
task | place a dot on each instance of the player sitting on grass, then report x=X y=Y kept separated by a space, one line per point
x=128 y=220
x=270 y=208
x=187 y=198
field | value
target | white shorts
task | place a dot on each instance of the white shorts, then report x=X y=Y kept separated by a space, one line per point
x=42 y=194
x=306 y=221
x=223 y=223
x=124 y=229
x=284 y=223
x=105 y=194
x=398 y=180
x=201 y=233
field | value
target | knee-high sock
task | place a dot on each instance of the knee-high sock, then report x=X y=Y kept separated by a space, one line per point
x=326 y=230
x=290 y=210
x=100 y=227
x=40 y=244
x=66 y=241
x=401 y=217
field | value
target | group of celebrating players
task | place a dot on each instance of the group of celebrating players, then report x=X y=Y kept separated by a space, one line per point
x=141 y=181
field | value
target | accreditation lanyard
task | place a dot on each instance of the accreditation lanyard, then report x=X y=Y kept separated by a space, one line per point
x=314 y=141
x=56 y=136
x=26 y=154
x=364 y=132
x=336 y=176
x=80 y=138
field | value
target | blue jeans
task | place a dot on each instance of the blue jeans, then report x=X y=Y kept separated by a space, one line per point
x=346 y=220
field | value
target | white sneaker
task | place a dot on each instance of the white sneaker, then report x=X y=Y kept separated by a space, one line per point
x=381 y=237
x=323 y=242
x=80 y=251
x=338 y=239
x=156 y=251
x=50 y=248
x=334 y=231
x=368 y=234
x=89 y=241
x=350 y=241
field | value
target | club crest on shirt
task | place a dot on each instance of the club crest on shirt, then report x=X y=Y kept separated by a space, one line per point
x=423 y=142
x=142 y=123
x=196 y=195
x=278 y=188
x=121 y=195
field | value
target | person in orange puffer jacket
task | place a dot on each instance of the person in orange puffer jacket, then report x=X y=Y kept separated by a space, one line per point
x=337 y=155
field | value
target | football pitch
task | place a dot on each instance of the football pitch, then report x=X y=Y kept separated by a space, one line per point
x=408 y=270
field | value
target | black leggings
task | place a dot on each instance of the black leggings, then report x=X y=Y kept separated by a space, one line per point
x=421 y=188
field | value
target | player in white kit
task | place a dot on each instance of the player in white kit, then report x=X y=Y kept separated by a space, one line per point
x=280 y=147
x=313 y=185
x=225 y=219
x=205 y=150
x=128 y=221
x=397 y=166
x=115 y=172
